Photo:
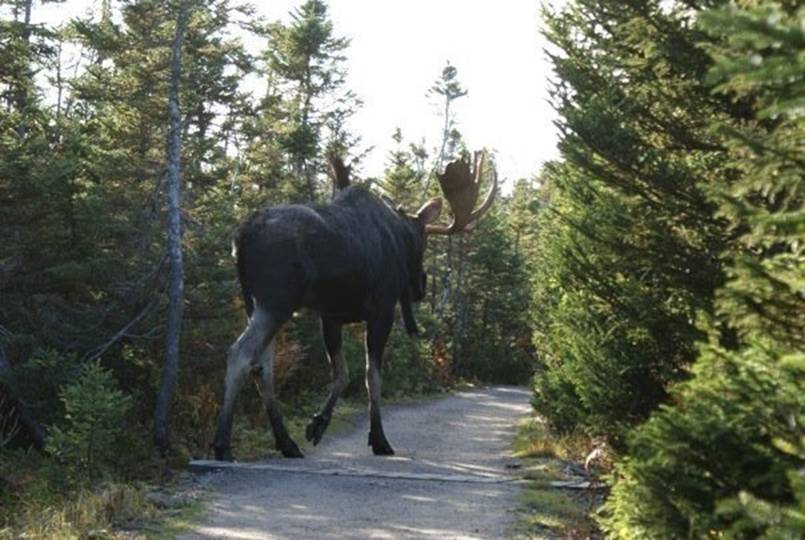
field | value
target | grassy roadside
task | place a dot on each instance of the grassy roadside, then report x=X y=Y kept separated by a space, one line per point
x=546 y=511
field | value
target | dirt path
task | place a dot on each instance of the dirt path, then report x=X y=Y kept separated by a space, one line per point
x=449 y=478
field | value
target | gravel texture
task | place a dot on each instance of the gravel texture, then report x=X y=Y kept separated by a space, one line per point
x=452 y=477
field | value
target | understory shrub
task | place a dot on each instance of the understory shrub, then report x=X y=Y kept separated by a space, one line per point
x=87 y=444
x=734 y=432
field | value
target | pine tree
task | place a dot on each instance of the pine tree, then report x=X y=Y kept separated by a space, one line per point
x=402 y=182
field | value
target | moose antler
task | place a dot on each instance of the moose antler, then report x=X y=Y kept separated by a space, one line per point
x=460 y=186
x=339 y=172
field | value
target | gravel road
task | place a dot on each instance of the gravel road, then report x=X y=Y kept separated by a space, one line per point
x=451 y=478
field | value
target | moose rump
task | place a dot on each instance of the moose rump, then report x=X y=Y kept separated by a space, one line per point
x=350 y=261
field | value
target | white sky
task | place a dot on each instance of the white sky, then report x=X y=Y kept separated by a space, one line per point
x=398 y=49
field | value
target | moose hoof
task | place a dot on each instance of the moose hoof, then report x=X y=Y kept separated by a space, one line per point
x=223 y=454
x=381 y=447
x=291 y=450
x=315 y=429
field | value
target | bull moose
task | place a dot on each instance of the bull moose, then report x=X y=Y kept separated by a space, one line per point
x=352 y=260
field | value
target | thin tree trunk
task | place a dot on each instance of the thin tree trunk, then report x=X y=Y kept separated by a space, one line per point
x=458 y=306
x=13 y=407
x=22 y=90
x=446 y=295
x=304 y=165
x=176 y=279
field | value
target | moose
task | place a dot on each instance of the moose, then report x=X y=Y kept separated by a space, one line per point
x=352 y=260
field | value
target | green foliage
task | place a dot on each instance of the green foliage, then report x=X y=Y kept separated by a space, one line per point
x=492 y=316
x=628 y=248
x=408 y=367
x=728 y=457
x=304 y=113
x=89 y=441
x=730 y=432
x=39 y=380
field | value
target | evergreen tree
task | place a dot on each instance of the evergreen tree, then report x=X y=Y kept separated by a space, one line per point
x=729 y=457
x=629 y=244
x=491 y=337
x=402 y=183
x=306 y=106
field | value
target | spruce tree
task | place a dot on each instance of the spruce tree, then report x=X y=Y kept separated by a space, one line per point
x=629 y=243
x=729 y=456
x=306 y=106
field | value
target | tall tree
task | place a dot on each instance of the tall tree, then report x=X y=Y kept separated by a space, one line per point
x=447 y=89
x=306 y=95
x=629 y=244
x=176 y=279
x=728 y=458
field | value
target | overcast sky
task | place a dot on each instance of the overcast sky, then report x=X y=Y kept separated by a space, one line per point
x=398 y=49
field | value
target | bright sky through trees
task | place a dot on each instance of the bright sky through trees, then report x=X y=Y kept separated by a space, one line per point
x=397 y=51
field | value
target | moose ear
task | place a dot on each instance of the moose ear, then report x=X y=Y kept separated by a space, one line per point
x=430 y=211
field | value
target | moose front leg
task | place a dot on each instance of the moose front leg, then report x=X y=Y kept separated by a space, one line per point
x=377 y=332
x=331 y=332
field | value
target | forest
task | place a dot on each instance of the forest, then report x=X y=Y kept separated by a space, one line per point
x=648 y=285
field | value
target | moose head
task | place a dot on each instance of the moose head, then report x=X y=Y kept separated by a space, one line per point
x=460 y=184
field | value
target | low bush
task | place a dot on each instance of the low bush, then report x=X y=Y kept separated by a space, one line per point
x=87 y=444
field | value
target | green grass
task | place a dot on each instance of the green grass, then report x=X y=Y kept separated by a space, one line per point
x=174 y=523
x=98 y=512
x=545 y=511
x=534 y=440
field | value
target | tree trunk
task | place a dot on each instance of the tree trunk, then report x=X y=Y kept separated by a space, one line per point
x=21 y=94
x=458 y=306
x=173 y=325
x=446 y=293
x=14 y=409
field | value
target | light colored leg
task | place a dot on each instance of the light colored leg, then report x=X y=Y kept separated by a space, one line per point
x=241 y=359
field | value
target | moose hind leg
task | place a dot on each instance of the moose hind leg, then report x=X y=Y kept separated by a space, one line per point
x=331 y=332
x=242 y=358
x=377 y=333
x=282 y=440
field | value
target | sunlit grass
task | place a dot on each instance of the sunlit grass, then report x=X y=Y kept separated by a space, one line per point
x=100 y=512
x=181 y=521
x=534 y=440
x=546 y=511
